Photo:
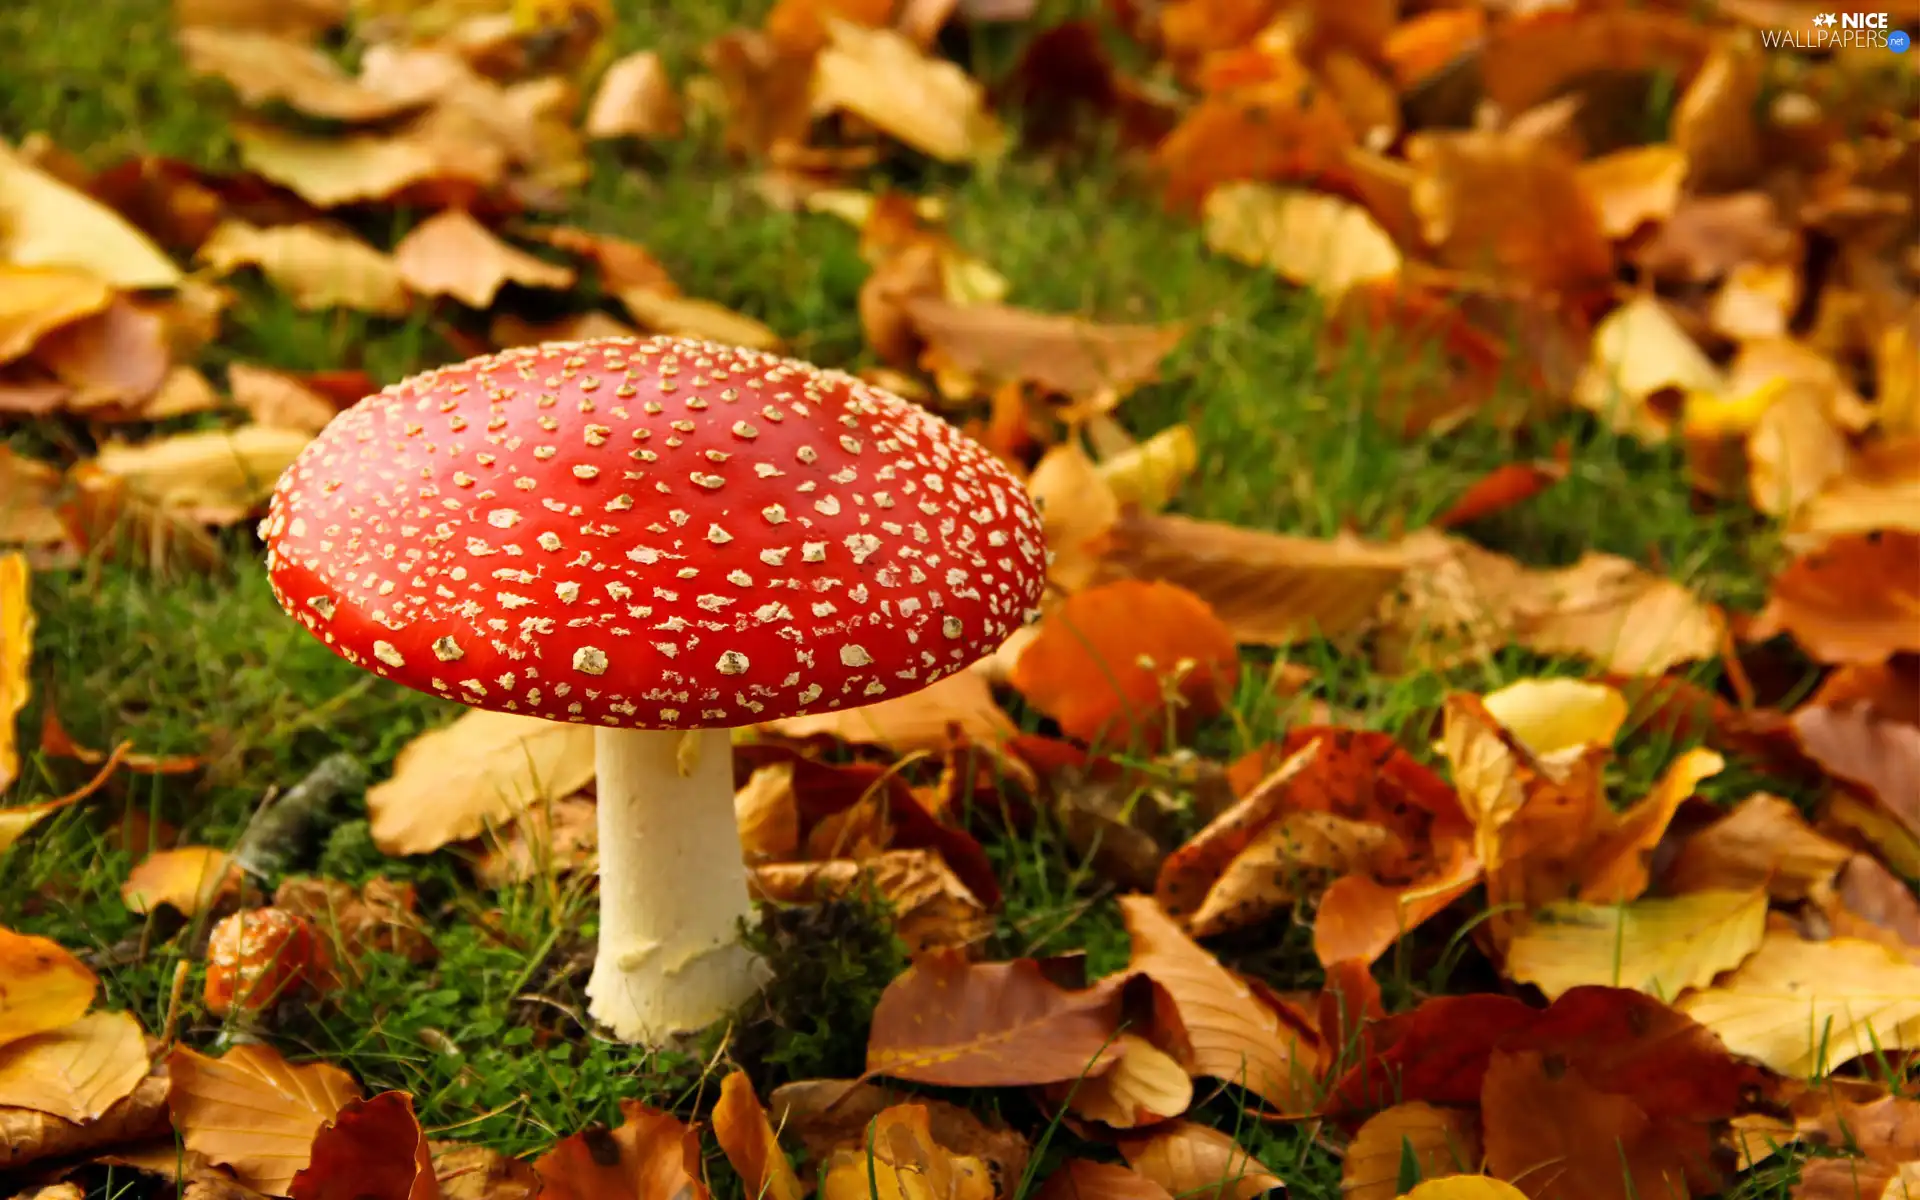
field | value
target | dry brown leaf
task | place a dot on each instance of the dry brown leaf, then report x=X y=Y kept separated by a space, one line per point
x=16 y=655
x=1634 y=187
x=1713 y=123
x=370 y=1148
x=451 y=254
x=472 y=1172
x=35 y=301
x=1880 y=490
x=683 y=316
x=482 y=769
x=1270 y=589
x=317 y=266
x=650 y=1154
x=1510 y=208
x=959 y=710
x=278 y=400
x=635 y=99
x=252 y=1111
x=741 y=1127
x=78 y=1071
x=330 y=172
x=262 y=68
x=1321 y=242
x=1078 y=508
x=1117 y=664
x=835 y=1114
x=110 y=362
x=926 y=102
x=1084 y=1179
x=932 y=908
x=212 y=476
x=1145 y=1087
x=1659 y=945
x=1764 y=841
x=1614 y=612
x=1854 y=600
x=27 y=1136
x=1200 y=1162
x=953 y=1023
x=190 y=879
x=1757 y=300
x=548 y=839
x=1442 y=1141
x=47 y=987
x=993 y=344
x=1233 y=1034
x=45 y=223
x=903 y=1159
x=510 y=329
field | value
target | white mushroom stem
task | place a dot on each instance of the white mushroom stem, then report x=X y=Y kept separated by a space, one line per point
x=673 y=887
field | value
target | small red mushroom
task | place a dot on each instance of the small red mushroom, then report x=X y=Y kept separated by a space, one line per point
x=654 y=536
x=256 y=956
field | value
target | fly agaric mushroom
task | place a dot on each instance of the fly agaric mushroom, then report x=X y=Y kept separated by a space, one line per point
x=664 y=539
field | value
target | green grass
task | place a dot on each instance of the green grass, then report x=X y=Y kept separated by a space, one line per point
x=484 y=1038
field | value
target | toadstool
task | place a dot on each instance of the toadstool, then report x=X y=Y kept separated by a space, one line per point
x=664 y=539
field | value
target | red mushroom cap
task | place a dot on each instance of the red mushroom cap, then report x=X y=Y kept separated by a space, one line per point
x=653 y=533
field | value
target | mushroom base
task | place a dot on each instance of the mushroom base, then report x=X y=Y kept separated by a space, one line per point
x=673 y=886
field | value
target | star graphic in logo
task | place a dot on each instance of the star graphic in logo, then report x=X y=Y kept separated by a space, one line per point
x=1825 y=19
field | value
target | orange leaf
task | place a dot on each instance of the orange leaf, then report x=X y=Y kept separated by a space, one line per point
x=1082 y=1179
x=1361 y=918
x=1504 y=487
x=46 y=986
x=1856 y=600
x=372 y=1150
x=252 y=1111
x=452 y=254
x=190 y=878
x=740 y=1126
x=1100 y=662
x=650 y=1155
x=953 y=1023
x=901 y=1155
x=1442 y=1141
x=1235 y=1036
x=1199 y=1162
x=1282 y=128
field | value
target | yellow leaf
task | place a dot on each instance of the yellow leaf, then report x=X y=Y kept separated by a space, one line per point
x=1310 y=238
x=42 y=986
x=745 y=1135
x=635 y=99
x=1658 y=946
x=279 y=401
x=1145 y=477
x=253 y=1112
x=1555 y=717
x=28 y=514
x=333 y=171
x=262 y=68
x=16 y=654
x=1465 y=1187
x=1443 y=1141
x=482 y=770
x=35 y=301
x=1077 y=509
x=215 y=476
x=78 y=1071
x=1199 y=1162
x=317 y=266
x=1640 y=354
x=924 y=101
x=1147 y=1085
x=451 y=254
x=1633 y=187
x=45 y=223
x=190 y=879
x=684 y=316
x=1806 y=1008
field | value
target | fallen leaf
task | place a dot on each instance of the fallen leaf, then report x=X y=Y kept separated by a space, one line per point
x=17 y=624
x=371 y=1149
x=28 y=517
x=1501 y=488
x=995 y=344
x=1321 y=242
x=212 y=476
x=1713 y=122
x=190 y=879
x=683 y=316
x=1117 y=663
x=252 y=1111
x=1083 y=1179
x=901 y=1156
x=1878 y=756
x=1199 y=1161
x=451 y=254
x=887 y=81
x=1078 y=510
x=35 y=1136
x=472 y=1172
x=1270 y=589
x=1466 y=1187
x=1808 y=1008
x=1643 y=364
x=46 y=987
x=277 y=400
x=1234 y=1035
x=1756 y=300
x=262 y=68
x=1634 y=187
x=1545 y=52
x=1506 y=206
x=932 y=908
x=35 y=301
x=1852 y=601
x=959 y=710
x=329 y=172
x=650 y=1154
x=545 y=840
x=479 y=771
x=953 y=1023
x=77 y=1071
x=1661 y=946
x=110 y=361
x=836 y=1114
x=740 y=1126
x=1763 y=842
x=50 y=225
x=635 y=99
x=317 y=266
x=1145 y=476
x=1278 y=124
x=1145 y=1087
x=1615 y=613
x=1437 y=1141
x=1880 y=490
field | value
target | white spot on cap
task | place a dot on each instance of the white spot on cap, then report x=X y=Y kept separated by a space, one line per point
x=446 y=649
x=590 y=661
x=855 y=656
x=385 y=652
x=717 y=535
x=732 y=662
x=951 y=626
x=503 y=518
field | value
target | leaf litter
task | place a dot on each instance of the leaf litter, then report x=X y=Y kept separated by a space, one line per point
x=1675 y=968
